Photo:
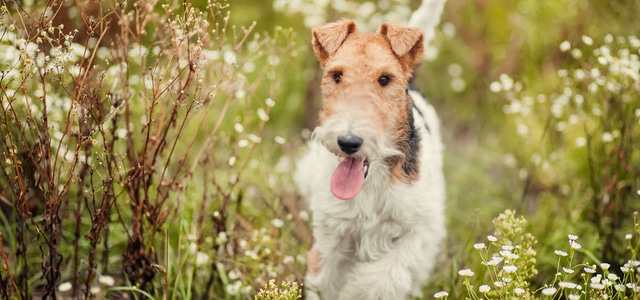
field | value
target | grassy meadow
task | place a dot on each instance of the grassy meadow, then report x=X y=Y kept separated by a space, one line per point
x=147 y=147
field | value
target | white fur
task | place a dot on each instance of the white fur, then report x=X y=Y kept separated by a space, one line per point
x=383 y=243
x=427 y=17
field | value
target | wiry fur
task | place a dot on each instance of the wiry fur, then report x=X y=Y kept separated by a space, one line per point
x=382 y=244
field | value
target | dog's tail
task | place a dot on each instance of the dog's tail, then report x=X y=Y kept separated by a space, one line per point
x=427 y=18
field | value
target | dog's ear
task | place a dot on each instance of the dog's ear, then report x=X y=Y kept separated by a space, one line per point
x=406 y=42
x=328 y=38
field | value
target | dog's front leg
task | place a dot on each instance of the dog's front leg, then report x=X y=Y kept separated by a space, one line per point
x=391 y=276
x=314 y=264
x=324 y=277
x=383 y=279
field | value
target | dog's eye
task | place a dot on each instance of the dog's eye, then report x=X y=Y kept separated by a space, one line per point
x=384 y=80
x=337 y=77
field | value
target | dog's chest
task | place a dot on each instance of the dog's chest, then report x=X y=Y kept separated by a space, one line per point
x=366 y=233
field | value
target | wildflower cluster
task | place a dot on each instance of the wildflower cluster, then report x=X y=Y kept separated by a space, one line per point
x=257 y=261
x=286 y=291
x=576 y=139
x=508 y=264
x=508 y=261
x=603 y=85
x=588 y=280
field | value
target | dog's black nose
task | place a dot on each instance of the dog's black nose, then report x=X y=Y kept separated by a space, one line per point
x=349 y=144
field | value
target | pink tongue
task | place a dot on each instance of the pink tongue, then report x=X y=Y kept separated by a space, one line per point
x=348 y=178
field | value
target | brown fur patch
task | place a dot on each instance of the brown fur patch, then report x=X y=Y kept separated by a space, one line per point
x=328 y=38
x=314 y=261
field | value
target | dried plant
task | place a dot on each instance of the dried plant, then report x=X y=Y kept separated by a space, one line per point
x=107 y=127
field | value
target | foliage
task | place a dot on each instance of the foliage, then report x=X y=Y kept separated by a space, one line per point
x=126 y=146
x=508 y=273
x=585 y=133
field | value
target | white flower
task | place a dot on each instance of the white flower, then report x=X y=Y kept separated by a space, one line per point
x=240 y=94
x=567 y=285
x=234 y=289
x=587 y=40
x=628 y=236
x=441 y=294
x=230 y=57
x=549 y=291
x=630 y=285
x=239 y=128
x=612 y=277
x=495 y=261
x=287 y=259
x=466 y=273
x=510 y=269
x=243 y=143
x=632 y=263
x=574 y=297
x=106 y=280
x=262 y=114
x=518 y=291
x=499 y=284
x=605 y=266
x=277 y=223
x=624 y=269
x=248 y=67
x=495 y=87
x=492 y=238
x=560 y=253
x=507 y=247
x=454 y=70
x=221 y=238
x=254 y=138
x=572 y=237
x=565 y=46
x=506 y=82
x=233 y=275
x=65 y=286
x=580 y=142
x=94 y=290
x=251 y=254
x=484 y=288
x=589 y=270
x=280 y=140
x=567 y=270
x=575 y=245
x=576 y=53
x=479 y=246
x=232 y=161
x=597 y=286
x=270 y=102
x=304 y=215
x=201 y=259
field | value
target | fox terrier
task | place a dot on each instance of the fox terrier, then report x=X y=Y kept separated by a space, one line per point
x=373 y=173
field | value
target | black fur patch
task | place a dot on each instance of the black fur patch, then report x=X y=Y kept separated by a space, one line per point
x=410 y=166
x=407 y=166
x=413 y=88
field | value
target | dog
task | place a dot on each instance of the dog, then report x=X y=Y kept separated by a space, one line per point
x=372 y=175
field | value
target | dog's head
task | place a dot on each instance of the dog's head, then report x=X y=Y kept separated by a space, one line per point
x=366 y=111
